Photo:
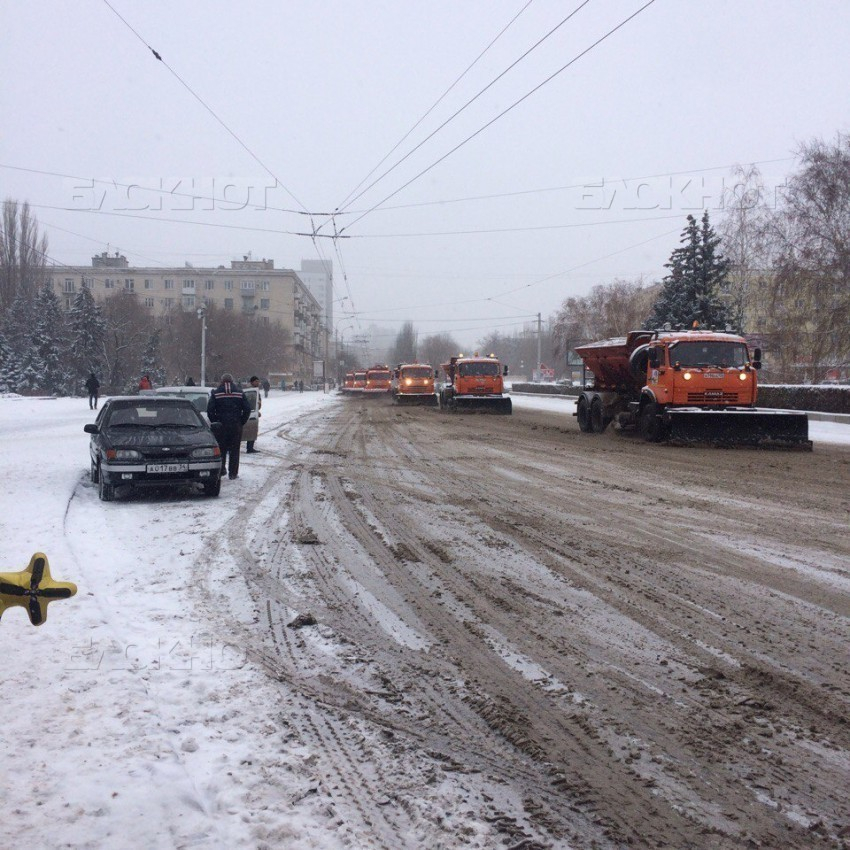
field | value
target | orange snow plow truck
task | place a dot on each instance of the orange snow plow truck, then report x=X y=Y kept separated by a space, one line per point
x=414 y=384
x=379 y=379
x=685 y=387
x=474 y=384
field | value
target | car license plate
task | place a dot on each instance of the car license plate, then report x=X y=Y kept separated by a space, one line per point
x=713 y=375
x=168 y=467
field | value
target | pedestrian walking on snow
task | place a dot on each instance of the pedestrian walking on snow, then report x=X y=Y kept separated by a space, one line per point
x=249 y=444
x=93 y=387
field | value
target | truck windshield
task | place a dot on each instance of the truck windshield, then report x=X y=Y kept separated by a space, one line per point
x=378 y=376
x=709 y=353
x=475 y=370
x=418 y=372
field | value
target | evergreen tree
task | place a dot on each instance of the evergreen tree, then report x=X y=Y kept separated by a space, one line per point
x=5 y=362
x=87 y=335
x=23 y=368
x=698 y=273
x=50 y=341
x=152 y=361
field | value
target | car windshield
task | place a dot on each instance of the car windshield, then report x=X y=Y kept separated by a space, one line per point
x=709 y=353
x=145 y=415
x=480 y=369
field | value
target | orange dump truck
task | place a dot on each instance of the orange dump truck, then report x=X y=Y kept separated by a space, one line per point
x=474 y=384
x=414 y=384
x=379 y=380
x=683 y=386
x=348 y=383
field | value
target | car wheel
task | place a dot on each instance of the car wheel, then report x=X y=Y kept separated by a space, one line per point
x=105 y=491
x=213 y=488
x=93 y=473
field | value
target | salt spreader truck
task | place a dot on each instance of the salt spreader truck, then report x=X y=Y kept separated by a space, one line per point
x=474 y=384
x=684 y=386
x=414 y=384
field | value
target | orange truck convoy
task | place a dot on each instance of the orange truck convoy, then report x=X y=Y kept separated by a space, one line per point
x=474 y=384
x=683 y=386
x=414 y=384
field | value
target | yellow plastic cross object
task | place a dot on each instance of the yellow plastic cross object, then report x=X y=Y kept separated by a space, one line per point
x=33 y=589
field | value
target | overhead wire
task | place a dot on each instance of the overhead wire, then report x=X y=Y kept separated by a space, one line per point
x=505 y=111
x=472 y=100
x=437 y=102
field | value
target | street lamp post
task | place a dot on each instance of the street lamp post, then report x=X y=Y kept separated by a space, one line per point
x=202 y=315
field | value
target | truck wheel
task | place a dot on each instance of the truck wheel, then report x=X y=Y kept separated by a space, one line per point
x=583 y=415
x=105 y=491
x=651 y=426
x=598 y=422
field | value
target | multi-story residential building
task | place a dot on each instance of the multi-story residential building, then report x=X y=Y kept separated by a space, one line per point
x=252 y=287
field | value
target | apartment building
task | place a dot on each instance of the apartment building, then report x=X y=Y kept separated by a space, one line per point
x=254 y=287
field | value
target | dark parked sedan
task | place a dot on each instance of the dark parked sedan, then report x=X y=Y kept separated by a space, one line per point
x=145 y=441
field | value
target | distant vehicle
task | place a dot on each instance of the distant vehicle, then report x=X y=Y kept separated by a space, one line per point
x=379 y=379
x=414 y=384
x=475 y=384
x=152 y=441
x=359 y=383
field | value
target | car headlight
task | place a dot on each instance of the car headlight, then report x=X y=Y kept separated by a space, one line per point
x=208 y=452
x=123 y=454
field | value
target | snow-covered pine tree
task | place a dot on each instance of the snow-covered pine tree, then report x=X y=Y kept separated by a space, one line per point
x=51 y=343
x=87 y=335
x=152 y=361
x=691 y=290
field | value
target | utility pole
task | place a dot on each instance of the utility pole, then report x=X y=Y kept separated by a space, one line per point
x=539 y=343
x=202 y=315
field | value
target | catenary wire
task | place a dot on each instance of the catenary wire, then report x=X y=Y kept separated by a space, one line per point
x=471 y=101
x=505 y=111
x=437 y=102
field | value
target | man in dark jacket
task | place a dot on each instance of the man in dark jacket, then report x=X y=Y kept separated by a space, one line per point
x=93 y=386
x=228 y=406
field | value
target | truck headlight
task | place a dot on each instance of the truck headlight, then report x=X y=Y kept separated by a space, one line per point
x=742 y=376
x=687 y=376
x=123 y=454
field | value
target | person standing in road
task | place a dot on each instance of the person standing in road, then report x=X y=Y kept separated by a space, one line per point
x=229 y=407
x=93 y=386
x=300 y=386
x=249 y=444
x=145 y=383
x=266 y=387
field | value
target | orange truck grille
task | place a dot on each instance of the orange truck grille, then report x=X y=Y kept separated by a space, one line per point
x=713 y=397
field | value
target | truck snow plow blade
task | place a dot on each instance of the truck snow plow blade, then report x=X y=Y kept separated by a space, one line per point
x=482 y=404
x=751 y=427
x=411 y=400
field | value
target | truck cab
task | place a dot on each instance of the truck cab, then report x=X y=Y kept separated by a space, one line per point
x=475 y=382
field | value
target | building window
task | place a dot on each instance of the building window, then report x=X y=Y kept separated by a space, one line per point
x=149 y=302
x=209 y=284
x=189 y=301
x=188 y=284
x=109 y=283
x=169 y=284
x=69 y=302
x=248 y=284
x=167 y=302
x=264 y=303
x=264 y=285
x=129 y=284
x=228 y=285
x=88 y=283
x=148 y=283
x=264 y=319
x=228 y=302
x=69 y=285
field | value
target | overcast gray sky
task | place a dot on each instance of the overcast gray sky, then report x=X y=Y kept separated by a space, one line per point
x=588 y=178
